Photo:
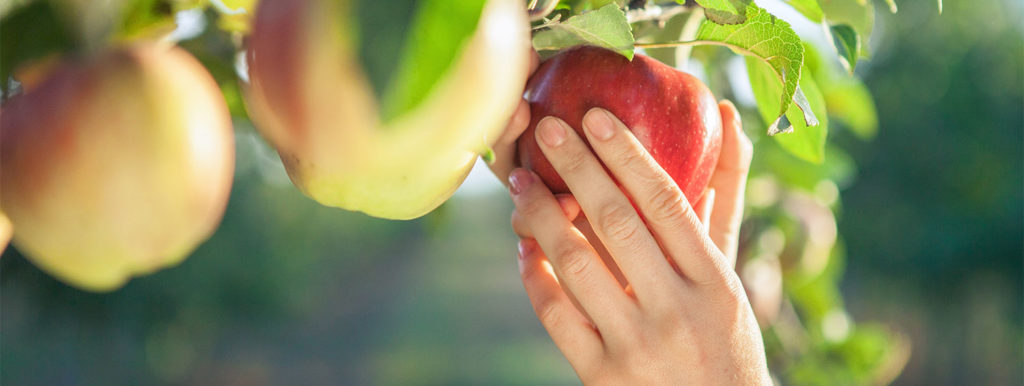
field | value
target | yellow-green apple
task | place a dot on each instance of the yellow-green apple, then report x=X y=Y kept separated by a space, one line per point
x=310 y=98
x=672 y=113
x=116 y=164
x=5 y=232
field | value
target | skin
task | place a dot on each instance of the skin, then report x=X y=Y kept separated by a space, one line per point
x=628 y=301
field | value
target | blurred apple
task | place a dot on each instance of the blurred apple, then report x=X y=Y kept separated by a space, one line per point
x=762 y=280
x=5 y=232
x=116 y=165
x=311 y=99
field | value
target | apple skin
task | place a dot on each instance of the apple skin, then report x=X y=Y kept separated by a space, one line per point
x=116 y=165
x=5 y=232
x=310 y=98
x=672 y=113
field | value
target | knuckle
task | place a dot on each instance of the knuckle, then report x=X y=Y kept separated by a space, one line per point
x=618 y=221
x=549 y=314
x=627 y=155
x=635 y=360
x=730 y=293
x=526 y=210
x=531 y=275
x=666 y=202
x=734 y=294
x=574 y=261
x=519 y=226
x=572 y=162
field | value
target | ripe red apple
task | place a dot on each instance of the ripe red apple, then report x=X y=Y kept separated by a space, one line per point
x=671 y=112
x=116 y=164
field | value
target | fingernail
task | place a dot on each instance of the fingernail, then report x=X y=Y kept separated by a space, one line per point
x=599 y=123
x=519 y=180
x=552 y=132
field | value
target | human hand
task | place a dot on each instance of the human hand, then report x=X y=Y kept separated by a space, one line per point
x=505 y=147
x=683 y=317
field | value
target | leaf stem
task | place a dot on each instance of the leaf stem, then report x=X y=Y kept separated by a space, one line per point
x=685 y=43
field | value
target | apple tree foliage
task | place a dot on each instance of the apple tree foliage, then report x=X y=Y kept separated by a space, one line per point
x=799 y=92
x=798 y=89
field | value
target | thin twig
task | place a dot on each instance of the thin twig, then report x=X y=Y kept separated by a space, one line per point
x=539 y=12
x=695 y=43
x=656 y=13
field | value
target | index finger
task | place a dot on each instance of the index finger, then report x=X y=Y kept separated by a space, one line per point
x=668 y=213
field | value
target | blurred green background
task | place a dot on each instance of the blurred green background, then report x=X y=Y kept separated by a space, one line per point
x=288 y=291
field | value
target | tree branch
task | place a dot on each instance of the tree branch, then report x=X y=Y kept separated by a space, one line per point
x=657 y=13
x=537 y=13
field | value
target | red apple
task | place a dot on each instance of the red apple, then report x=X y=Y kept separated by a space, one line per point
x=671 y=112
x=116 y=164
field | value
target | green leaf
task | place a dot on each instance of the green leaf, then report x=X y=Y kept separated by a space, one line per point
x=437 y=34
x=771 y=40
x=807 y=141
x=858 y=14
x=596 y=4
x=808 y=8
x=145 y=18
x=850 y=103
x=488 y=155
x=382 y=31
x=847 y=99
x=606 y=27
x=30 y=33
x=735 y=7
x=724 y=11
x=847 y=42
x=8 y=6
x=795 y=173
x=234 y=7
